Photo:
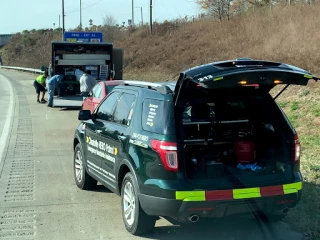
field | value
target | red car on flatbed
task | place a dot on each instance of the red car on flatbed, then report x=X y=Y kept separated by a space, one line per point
x=99 y=91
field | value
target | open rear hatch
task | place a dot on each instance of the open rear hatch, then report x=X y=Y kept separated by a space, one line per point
x=231 y=133
x=239 y=73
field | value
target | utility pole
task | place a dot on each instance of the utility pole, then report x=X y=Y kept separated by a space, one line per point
x=270 y=3
x=59 y=21
x=151 y=16
x=132 y=13
x=81 y=15
x=63 y=19
x=141 y=16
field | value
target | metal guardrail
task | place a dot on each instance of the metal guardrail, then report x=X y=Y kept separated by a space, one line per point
x=31 y=70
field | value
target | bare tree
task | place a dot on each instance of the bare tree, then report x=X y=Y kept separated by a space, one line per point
x=217 y=8
x=111 y=31
x=109 y=20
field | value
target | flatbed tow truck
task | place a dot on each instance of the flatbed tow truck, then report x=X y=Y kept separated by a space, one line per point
x=104 y=61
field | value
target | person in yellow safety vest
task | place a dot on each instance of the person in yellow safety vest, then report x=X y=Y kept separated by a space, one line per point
x=40 y=86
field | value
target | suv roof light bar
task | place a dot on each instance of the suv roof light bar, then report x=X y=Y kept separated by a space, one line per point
x=240 y=59
x=247 y=62
x=162 y=88
x=141 y=83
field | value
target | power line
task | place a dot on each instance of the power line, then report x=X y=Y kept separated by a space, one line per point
x=85 y=7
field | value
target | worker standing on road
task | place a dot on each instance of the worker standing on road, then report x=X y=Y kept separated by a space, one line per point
x=87 y=82
x=40 y=84
x=51 y=86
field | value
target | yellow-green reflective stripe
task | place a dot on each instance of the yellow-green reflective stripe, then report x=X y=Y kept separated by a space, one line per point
x=292 y=187
x=197 y=196
x=217 y=79
x=308 y=76
x=291 y=190
x=194 y=199
x=191 y=195
x=246 y=193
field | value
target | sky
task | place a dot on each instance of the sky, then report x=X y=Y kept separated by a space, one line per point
x=19 y=15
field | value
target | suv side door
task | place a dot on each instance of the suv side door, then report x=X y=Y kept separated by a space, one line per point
x=116 y=133
x=94 y=148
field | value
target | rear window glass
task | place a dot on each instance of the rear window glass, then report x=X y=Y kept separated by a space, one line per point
x=158 y=117
x=109 y=89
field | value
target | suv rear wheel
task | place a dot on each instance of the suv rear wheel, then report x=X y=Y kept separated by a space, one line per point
x=83 y=179
x=135 y=219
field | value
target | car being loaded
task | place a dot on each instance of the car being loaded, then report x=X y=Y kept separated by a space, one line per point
x=214 y=144
x=98 y=92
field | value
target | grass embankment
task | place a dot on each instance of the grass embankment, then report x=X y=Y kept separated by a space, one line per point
x=302 y=106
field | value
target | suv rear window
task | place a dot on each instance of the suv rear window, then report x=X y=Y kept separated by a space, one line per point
x=110 y=88
x=158 y=117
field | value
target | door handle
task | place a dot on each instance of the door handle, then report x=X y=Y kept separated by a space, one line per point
x=122 y=137
x=98 y=131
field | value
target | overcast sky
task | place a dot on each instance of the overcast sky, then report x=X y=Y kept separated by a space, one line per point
x=18 y=15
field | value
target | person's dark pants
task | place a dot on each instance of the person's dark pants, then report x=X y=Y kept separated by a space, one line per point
x=39 y=88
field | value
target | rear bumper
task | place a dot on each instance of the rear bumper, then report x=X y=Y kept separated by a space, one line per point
x=182 y=210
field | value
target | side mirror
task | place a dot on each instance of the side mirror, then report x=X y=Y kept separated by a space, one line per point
x=84 y=115
x=90 y=94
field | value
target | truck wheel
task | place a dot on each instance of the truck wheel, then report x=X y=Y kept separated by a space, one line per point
x=135 y=219
x=83 y=180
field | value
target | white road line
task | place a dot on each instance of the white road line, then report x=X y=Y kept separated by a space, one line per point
x=6 y=128
x=47 y=116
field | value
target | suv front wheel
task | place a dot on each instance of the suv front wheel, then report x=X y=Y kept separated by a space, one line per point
x=83 y=180
x=135 y=219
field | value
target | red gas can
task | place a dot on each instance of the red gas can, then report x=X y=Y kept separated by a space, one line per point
x=245 y=151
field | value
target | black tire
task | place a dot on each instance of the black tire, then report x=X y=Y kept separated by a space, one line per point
x=142 y=223
x=86 y=182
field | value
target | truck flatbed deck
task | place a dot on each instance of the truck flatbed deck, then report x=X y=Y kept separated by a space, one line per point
x=74 y=101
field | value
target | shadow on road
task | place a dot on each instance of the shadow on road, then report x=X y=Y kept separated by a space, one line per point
x=235 y=228
x=100 y=188
x=71 y=109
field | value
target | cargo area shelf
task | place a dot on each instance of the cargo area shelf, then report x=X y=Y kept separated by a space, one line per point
x=201 y=142
x=223 y=122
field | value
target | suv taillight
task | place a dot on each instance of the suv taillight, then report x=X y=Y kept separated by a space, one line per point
x=297 y=149
x=168 y=154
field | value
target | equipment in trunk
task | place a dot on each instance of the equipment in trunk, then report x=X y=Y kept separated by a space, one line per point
x=222 y=141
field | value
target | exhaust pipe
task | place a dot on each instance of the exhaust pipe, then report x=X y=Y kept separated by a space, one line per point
x=194 y=218
x=285 y=210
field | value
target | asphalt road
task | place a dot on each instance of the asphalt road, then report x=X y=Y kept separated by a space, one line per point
x=38 y=196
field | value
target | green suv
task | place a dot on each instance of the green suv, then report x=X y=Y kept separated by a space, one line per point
x=213 y=144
